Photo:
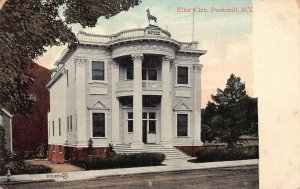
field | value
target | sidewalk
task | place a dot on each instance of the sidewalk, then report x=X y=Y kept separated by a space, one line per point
x=169 y=165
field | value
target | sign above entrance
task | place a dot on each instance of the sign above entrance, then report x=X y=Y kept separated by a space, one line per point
x=153 y=32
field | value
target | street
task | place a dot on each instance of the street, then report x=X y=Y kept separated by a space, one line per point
x=234 y=177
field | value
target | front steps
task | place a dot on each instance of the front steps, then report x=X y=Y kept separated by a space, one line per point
x=170 y=152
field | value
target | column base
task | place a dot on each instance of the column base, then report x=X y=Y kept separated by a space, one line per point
x=115 y=143
x=197 y=143
x=167 y=144
x=137 y=145
x=82 y=144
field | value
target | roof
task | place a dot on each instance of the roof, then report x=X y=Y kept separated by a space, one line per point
x=7 y=112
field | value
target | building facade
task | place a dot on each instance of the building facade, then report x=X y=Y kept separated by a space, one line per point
x=30 y=131
x=135 y=87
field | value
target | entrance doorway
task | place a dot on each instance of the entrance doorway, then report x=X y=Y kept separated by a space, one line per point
x=149 y=127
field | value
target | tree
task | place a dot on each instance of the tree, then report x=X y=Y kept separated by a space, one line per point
x=231 y=114
x=27 y=27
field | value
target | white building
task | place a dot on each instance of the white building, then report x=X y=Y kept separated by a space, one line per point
x=132 y=88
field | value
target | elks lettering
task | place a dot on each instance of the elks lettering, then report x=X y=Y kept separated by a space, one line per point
x=153 y=32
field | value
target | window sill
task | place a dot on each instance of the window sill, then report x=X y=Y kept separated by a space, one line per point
x=99 y=138
x=182 y=137
x=98 y=82
x=182 y=85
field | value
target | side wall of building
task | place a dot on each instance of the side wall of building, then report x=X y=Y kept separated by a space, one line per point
x=30 y=131
x=185 y=94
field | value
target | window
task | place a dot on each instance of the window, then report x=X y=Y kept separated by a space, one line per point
x=59 y=127
x=129 y=73
x=53 y=148
x=32 y=97
x=71 y=127
x=97 y=70
x=67 y=73
x=182 y=75
x=53 y=128
x=182 y=124
x=150 y=118
x=130 y=122
x=149 y=74
x=98 y=124
x=68 y=123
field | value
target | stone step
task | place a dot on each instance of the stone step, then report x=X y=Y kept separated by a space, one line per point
x=170 y=153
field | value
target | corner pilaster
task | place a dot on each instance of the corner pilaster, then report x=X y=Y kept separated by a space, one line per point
x=197 y=105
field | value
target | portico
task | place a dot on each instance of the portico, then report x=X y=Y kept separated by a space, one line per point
x=131 y=88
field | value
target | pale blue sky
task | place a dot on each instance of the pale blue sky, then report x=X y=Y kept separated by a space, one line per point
x=227 y=27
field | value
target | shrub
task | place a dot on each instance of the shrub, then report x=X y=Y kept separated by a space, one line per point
x=210 y=155
x=121 y=161
x=17 y=167
x=110 y=152
x=42 y=151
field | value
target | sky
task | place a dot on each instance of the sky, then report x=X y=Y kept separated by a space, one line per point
x=226 y=36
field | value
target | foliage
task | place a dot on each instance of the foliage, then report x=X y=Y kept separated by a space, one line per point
x=110 y=152
x=224 y=154
x=42 y=151
x=90 y=145
x=21 y=167
x=231 y=114
x=17 y=166
x=121 y=161
x=28 y=27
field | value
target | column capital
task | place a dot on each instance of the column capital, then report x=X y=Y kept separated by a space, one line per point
x=197 y=67
x=80 y=60
x=137 y=57
x=113 y=63
x=167 y=59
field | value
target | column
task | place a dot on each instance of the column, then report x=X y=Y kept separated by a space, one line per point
x=197 y=106
x=137 y=101
x=166 y=103
x=115 y=134
x=80 y=90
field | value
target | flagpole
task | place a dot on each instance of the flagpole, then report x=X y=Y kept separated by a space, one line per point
x=193 y=24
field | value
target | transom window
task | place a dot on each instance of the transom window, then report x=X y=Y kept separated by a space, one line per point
x=182 y=75
x=182 y=124
x=98 y=124
x=149 y=118
x=149 y=74
x=97 y=70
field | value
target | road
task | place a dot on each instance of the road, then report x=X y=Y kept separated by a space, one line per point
x=231 y=178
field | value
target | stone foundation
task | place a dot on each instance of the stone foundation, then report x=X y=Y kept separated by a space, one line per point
x=192 y=151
